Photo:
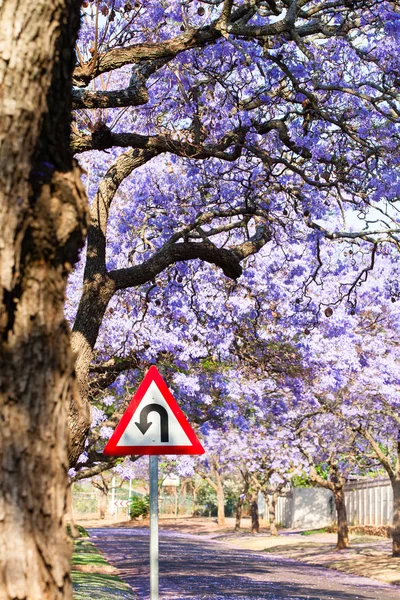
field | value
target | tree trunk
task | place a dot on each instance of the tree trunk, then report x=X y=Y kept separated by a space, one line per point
x=255 y=522
x=103 y=503
x=272 y=500
x=220 y=499
x=42 y=223
x=176 y=503
x=70 y=514
x=242 y=497
x=343 y=531
x=396 y=517
x=94 y=301
x=239 y=512
x=336 y=485
x=195 y=505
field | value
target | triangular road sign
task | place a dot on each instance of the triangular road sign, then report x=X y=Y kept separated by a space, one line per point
x=153 y=423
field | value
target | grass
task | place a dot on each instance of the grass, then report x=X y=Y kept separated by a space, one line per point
x=93 y=577
x=86 y=553
x=79 y=529
x=313 y=531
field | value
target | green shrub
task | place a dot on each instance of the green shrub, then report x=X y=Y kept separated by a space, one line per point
x=139 y=507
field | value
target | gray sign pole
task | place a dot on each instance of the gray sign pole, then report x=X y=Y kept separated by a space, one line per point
x=153 y=527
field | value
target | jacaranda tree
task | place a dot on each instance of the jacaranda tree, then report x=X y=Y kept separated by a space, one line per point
x=209 y=130
x=247 y=125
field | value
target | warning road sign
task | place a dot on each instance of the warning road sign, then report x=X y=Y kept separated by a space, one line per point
x=122 y=503
x=153 y=423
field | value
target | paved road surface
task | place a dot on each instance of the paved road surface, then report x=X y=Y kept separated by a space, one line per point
x=198 y=569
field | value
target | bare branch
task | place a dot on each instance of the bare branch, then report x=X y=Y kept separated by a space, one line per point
x=280 y=126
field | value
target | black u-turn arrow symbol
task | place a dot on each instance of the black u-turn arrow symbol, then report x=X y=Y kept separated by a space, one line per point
x=143 y=424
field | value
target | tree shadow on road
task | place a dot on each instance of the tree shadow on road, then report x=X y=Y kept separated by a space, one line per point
x=193 y=569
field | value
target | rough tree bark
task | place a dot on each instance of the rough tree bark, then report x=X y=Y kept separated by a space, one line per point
x=239 y=512
x=220 y=499
x=255 y=521
x=335 y=483
x=42 y=226
x=396 y=517
x=241 y=499
x=103 y=483
x=341 y=512
x=218 y=487
x=70 y=514
x=195 y=504
x=103 y=504
x=272 y=500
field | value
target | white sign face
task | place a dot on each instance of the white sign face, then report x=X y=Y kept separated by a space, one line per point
x=171 y=481
x=153 y=422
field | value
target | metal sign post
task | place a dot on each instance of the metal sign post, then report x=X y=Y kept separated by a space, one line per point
x=154 y=527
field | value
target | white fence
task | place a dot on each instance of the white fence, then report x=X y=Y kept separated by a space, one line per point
x=282 y=510
x=369 y=502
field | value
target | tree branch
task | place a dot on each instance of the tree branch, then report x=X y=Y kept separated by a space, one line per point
x=383 y=459
x=107 y=463
x=131 y=96
x=107 y=373
x=96 y=241
x=103 y=138
x=227 y=259
x=134 y=95
x=280 y=126
x=172 y=253
x=118 y=57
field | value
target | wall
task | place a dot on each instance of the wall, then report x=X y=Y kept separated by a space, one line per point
x=312 y=508
x=303 y=508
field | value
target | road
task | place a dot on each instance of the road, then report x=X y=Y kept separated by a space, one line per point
x=202 y=569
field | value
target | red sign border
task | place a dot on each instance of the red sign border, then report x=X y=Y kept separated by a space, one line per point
x=112 y=449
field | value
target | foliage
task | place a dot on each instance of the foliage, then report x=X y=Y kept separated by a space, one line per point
x=301 y=481
x=139 y=506
x=249 y=181
x=245 y=229
x=207 y=498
